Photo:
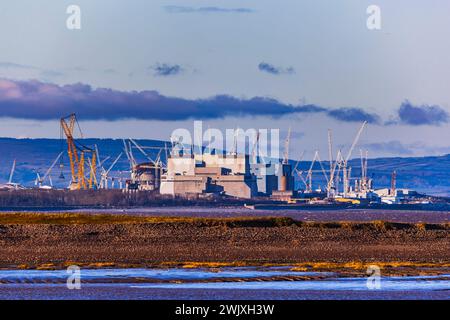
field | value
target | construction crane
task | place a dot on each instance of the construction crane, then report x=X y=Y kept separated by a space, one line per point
x=345 y=170
x=11 y=174
x=286 y=147
x=310 y=173
x=104 y=174
x=78 y=155
x=142 y=151
x=40 y=180
x=330 y=183
x=100 y=162
x=364 y=184
x=158 y=163
x=308 y=180
x=166 y=154
x=298 y=172
x=333 y=182
x=299 y=160
x=255 y=149
x=234 y=149
x=10 y=183
x=393 y=190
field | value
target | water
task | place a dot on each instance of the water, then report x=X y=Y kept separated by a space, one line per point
x=387 y=284
x=156 y=274
x=223 y=283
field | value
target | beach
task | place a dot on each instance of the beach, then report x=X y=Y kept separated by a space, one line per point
x=54 y=240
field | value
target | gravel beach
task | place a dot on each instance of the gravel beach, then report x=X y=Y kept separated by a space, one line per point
x=141 y=242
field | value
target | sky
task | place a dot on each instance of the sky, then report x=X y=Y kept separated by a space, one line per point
x=142 y=69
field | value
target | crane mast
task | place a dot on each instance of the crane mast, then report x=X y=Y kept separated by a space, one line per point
x=286 y=147
x=345 y=170
x=77 y=158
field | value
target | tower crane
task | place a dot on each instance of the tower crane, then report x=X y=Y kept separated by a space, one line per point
x=255 y=149
x=345 y=170
x=286 y=147
x=40 y=180
x=310 y=172
x=330 y=159
x=364 y=183
x=104 y=174
x=10 y=180
x=333 y=180
x=11 y=174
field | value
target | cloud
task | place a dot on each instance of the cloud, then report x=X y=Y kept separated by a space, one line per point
x=353 y=115
x=422 y=115
x=164 y=69
x=395 y=147
x=294 y=134
x=269 y=68
x=311 y=108
x=391 y=147
x=186 y=9
x=51 y=74
x=426 y=148
x=79 y=69
x=110 y=71
x=37 y=100
x=44 y=73
x=12 y=65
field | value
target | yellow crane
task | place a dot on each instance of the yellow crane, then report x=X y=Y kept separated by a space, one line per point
x=78 y=155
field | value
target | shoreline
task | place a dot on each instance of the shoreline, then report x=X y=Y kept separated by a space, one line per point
x=341 y=270
x=49 y=241
x=315 y=215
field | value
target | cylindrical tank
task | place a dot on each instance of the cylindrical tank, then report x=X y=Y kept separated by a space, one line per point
x=283 y=183
x=286 y=178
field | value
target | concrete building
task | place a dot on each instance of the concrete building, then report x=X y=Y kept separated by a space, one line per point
x=266 y=177
x=396 y=196
x=209 y=173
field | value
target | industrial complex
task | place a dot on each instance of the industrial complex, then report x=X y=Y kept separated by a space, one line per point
x=181 y=171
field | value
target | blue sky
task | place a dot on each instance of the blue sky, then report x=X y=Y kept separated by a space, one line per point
x=290 y=51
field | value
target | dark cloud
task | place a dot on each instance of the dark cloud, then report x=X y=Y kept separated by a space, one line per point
x=311 y=108
x=270 y=68
x=186 y=9
x=37 y=100
x=164 y=69
x=353 y=115
x=422 y=115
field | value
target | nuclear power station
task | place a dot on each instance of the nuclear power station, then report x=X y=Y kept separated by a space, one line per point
x=189 y=171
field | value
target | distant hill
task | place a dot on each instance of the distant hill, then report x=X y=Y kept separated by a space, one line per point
x=429 y=175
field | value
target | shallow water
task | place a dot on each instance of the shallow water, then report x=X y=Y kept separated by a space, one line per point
x=386 y=284
x=176 y=283
x=157 y=274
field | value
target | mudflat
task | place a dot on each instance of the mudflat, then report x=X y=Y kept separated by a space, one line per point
x=30 y=240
